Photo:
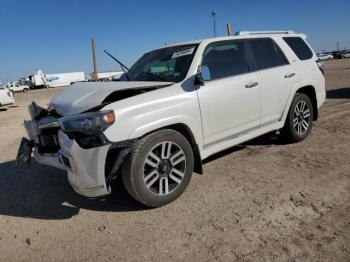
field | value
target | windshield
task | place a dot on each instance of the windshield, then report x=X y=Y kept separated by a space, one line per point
x=167 y=64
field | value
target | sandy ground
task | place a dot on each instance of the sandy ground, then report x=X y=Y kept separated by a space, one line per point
x=263 y=201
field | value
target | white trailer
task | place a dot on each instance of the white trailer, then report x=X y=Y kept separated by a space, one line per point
x=108 y=76
x=56 y=80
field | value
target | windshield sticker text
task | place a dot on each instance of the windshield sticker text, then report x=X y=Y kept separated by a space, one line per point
x=184 y=52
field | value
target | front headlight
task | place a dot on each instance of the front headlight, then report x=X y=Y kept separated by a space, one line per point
x=88 y=124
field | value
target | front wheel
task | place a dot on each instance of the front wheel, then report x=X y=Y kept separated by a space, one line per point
x=299 y=120
x=159 y=168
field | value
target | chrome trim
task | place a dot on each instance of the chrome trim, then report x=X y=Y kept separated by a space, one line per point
x=251 y=84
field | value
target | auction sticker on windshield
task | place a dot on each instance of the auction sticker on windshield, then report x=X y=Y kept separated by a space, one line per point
x=184 y=52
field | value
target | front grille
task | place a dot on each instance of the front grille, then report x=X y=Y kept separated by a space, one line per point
x=48 y=143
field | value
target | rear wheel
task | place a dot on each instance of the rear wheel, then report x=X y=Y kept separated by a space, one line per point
x=299 y=120
x=159 y=168
x=25 y=90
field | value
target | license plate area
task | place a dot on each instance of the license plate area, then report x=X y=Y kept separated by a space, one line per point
x=24 y=154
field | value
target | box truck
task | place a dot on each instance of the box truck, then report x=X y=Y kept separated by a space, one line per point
x=56 y=80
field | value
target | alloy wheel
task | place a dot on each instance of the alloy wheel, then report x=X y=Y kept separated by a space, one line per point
x=302 y=117
x=164 y=168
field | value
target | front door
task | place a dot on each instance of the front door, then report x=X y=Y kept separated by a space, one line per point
x=229 y=102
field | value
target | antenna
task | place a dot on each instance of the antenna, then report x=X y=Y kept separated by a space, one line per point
x=213 y=13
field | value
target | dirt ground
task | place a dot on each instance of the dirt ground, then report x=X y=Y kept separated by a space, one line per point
x=262 y=201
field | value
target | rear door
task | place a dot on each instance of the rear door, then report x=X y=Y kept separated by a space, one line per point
x=229 y=102
x=275 y=75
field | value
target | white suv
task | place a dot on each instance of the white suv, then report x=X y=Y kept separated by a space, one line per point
x=174 y=107
x=18 y=88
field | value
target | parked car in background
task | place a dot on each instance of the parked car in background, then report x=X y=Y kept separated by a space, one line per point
x=6 y=97
x=346 y=54
x=175 y=107
x=18 y=88
x=324 y=56
x=338 y=54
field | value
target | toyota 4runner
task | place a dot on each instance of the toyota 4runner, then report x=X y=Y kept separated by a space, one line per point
x=175 y=107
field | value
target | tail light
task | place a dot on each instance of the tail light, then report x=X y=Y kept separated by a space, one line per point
x=320 y=66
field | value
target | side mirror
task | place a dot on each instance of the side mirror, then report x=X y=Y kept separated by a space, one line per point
x=203 y=75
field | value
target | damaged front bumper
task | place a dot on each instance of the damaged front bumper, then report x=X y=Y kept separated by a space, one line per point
x=85 y=167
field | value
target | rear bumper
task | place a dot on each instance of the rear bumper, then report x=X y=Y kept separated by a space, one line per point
x=321 y=98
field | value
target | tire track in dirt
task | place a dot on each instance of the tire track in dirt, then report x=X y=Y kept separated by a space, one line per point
x=337 y=110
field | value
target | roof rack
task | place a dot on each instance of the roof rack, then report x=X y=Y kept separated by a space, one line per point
x=263 y=32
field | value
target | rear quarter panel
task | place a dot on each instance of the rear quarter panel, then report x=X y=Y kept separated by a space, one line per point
x=308 y=74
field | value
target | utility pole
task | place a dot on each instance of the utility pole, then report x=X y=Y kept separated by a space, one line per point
x=229 y=29
x=338 y=46
x=94 y=73
x=213 y=13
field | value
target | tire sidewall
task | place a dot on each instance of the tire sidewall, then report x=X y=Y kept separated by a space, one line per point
x=136 y=168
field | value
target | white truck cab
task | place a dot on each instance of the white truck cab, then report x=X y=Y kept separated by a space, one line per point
x=6 y=97
x=175 y=107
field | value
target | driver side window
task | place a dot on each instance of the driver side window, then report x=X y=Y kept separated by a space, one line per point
x=225 y=59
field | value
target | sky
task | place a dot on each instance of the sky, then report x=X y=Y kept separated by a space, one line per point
x=55 y=35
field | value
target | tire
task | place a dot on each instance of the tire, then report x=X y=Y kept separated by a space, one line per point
x=145 y=178
x=298 y=125
x=25 y=90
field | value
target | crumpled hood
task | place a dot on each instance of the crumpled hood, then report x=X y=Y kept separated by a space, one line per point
x=81 y=97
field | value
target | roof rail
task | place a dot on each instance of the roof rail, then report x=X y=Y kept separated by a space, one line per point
x=263 y=32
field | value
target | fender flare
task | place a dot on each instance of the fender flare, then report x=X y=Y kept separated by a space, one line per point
x=294 y=90
x=193 y=134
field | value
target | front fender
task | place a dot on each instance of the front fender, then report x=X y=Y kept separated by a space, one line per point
x=142 y=114
x=168 y=121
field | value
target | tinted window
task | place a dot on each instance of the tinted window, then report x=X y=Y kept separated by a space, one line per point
x=299 y=47
x=264 y=53
x=225 y=59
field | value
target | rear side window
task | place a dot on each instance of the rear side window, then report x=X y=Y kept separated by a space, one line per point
x=299 y=47
x=225 y=58
x=264 y=53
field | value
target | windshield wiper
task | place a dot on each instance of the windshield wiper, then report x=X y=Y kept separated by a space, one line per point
x=122 y=66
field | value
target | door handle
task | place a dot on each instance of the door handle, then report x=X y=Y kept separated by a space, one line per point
x=251 y=84
x=289 y=75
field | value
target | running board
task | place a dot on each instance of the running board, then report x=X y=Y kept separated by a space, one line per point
x=234 y=140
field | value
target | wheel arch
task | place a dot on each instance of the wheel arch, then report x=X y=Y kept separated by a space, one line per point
x=185 y=130
x=116 y=156
x=311 y=93
x=308 y=90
